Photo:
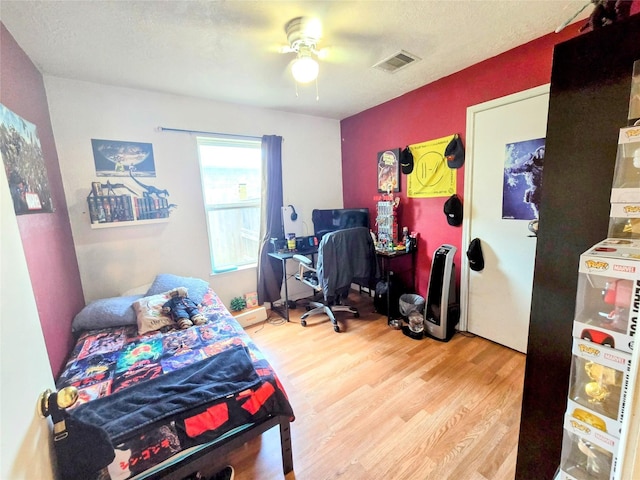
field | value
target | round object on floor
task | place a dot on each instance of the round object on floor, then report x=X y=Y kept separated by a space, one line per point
x=395 y=323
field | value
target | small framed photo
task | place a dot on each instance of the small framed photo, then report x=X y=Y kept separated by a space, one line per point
x=251 y=299
x=389 y=171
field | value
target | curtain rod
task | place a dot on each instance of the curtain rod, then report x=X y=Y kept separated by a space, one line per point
x=227 y=135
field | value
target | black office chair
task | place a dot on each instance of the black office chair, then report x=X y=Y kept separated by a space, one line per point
x=344 y=257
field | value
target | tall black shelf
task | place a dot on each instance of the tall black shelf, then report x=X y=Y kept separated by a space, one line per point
x=589 y=102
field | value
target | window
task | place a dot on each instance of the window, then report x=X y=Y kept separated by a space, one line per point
x=232 y=186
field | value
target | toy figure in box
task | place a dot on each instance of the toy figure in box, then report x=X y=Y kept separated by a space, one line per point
x=618 y=294
x=601 y=379
x=182 y=309
x=597 y=462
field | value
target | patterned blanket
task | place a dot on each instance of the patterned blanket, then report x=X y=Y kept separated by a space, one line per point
x=162 y=392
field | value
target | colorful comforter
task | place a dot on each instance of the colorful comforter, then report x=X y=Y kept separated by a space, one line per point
x=163 y=392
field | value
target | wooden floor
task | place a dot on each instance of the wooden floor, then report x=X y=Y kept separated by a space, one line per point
x=371 y=403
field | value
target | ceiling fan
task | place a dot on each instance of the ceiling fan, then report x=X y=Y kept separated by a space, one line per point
x=303 y=35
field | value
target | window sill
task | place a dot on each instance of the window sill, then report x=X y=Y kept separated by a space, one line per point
x=234 y=270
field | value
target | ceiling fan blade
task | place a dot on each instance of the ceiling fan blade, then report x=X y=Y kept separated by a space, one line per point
x=285 y=49
x=278 y=48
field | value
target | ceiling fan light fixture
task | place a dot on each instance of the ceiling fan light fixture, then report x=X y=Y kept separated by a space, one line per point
x=305 y=69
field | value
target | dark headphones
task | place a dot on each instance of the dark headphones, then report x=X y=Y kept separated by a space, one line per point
x=294 y=215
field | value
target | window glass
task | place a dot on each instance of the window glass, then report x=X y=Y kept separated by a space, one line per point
x=231 y=184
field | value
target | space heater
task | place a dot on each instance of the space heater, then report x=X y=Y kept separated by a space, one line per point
x=442 y=311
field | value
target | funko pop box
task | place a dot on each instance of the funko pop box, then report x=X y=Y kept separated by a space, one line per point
x=598 y=386
x=626 y=175
x=587 y=452
x=624 y=220
x=608 y=294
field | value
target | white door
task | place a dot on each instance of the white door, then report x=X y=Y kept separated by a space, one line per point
x=496 y=302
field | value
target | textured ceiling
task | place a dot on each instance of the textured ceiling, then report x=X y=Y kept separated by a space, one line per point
x=228 y=50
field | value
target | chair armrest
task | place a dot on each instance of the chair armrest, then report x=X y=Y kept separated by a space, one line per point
x=306 y=273
x=303 y=259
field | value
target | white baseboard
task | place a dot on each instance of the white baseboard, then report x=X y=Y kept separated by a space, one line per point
x=250 y=316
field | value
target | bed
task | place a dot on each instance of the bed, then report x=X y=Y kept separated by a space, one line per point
x=172 y=401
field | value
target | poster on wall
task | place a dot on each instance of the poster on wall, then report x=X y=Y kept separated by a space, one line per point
x=114 y=158
x=522 y=180
x=389 y=171
x=24 y=164
x=431 y=176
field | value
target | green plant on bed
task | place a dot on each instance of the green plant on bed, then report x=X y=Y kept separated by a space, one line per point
x=237 y=304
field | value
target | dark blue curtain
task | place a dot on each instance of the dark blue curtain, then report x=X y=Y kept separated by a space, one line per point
x=270 y=269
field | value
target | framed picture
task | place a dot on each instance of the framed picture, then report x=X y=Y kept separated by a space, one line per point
x=389 y=171
x=24 y=164
x=114 y=158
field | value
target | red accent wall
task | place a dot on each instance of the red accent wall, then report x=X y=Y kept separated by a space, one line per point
x=46 y=237
x=433 y=111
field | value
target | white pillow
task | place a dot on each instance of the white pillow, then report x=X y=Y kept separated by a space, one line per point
x=149 y=313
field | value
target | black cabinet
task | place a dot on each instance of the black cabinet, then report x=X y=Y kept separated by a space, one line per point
x=589 y=102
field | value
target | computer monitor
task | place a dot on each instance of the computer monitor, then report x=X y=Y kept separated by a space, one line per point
x=325 y=221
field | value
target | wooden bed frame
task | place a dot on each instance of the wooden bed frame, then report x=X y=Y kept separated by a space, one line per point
x=214 y=458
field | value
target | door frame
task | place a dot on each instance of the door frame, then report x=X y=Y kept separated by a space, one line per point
x=472 y=111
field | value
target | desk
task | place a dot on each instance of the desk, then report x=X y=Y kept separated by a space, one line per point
x=283 y=257
x=386 y=259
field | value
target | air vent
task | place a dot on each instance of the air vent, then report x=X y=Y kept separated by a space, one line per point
x=397 y=61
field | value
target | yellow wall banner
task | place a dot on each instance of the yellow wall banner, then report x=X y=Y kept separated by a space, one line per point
x=431 y=176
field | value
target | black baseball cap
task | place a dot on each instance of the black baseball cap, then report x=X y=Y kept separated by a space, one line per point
x=453 y=210
x=454 y=153
x=406 y=161
x=474 y=254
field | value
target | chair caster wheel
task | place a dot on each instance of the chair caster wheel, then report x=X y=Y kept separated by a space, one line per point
x=356 y=315
x=336 y=328
x=303 y=323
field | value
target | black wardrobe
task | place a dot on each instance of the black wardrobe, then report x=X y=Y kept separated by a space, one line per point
x=589 y=102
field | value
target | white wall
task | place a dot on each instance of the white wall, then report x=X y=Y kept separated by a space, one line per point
x=116 y=259
x=24 y=365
